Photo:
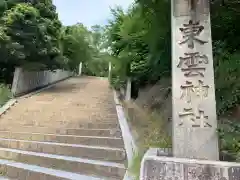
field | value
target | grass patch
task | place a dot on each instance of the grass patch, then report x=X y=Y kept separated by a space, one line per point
x=5 y=94
x=136 y=165
x=149 y=119
x=149 y=129
x=229 y=135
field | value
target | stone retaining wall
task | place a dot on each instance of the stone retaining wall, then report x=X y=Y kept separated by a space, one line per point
x=27 y=81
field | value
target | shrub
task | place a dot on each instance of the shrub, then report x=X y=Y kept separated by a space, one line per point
x=5 y=94
x=229 y=134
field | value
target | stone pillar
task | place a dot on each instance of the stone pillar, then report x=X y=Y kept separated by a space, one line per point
x=194 y=111
x=15 y=83
x=80 y=69
x=128 y=91
x=109 y=70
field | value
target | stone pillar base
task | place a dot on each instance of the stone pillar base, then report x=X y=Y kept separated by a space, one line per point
x=155 y=166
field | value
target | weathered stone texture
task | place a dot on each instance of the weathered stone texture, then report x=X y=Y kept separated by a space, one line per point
x=163 y=168
x=193 y=88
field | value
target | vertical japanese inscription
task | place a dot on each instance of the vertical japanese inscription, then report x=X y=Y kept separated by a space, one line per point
x=192 y=64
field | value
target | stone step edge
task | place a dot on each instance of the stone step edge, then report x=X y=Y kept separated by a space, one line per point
x=65 y=144
x=48 y=171
x=65 y=122
x=63 y=135
x=66 y=158
x=7 y=106
x=4 y=178
x=59 y=125
x=65 y=129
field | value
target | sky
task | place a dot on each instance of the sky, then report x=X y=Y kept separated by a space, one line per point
x=88 y=12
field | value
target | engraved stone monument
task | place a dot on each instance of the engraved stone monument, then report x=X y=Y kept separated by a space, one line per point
x=195 y=142
x=194 y=111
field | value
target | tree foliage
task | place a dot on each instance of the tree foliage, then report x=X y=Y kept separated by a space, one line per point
x=31 y=36
x=226 y=47
x=97 y=64
x=29 y=32
x=140 y=41
x=75 y=45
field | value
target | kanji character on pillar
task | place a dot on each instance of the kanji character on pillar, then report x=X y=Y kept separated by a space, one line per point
x=191 y=31
x=190 y=64
x=200 y=120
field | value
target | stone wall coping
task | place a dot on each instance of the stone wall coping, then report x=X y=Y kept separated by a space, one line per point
x=129 y=143
x=7 y=106
x=25 y=81
x=191 y=161
x=229 y=170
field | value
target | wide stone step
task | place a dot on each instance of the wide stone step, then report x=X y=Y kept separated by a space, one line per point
x=63 y=124
x=75 y=150
x=69 y=131
x=72 y=164
x=70 y=139
x=22 y=171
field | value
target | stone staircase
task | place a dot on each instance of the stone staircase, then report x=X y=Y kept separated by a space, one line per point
x=69 y=131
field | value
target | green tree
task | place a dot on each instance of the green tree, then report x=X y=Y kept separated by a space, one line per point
x=30 y=32
x=25 y=26
x=75 y=45
x=141 y=42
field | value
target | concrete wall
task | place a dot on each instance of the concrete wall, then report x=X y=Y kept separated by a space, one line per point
x=27 y=81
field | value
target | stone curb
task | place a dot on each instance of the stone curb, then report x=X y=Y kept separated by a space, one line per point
x=7 y=106
x=128 y=139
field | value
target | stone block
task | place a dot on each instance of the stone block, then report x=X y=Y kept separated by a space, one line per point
x=169 y=168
